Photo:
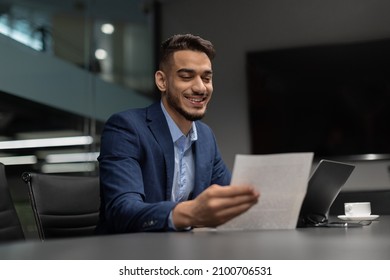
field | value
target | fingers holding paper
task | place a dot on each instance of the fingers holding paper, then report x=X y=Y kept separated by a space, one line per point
x=215 y=206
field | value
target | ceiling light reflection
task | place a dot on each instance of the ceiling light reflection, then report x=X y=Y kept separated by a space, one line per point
x=47 y=142
x=68 y=167
x=71 y=157
x=107 y=28
x=101 y=54
x=19 y=160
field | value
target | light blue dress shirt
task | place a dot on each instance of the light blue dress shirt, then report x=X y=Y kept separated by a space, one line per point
x=184 y=170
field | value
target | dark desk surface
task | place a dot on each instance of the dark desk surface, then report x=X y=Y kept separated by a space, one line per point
x=368 y=242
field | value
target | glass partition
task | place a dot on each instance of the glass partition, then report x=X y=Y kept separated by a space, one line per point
x=82 y=50
x=66 y=67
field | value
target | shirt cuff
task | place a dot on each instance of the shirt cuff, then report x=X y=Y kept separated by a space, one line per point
x=172 y=227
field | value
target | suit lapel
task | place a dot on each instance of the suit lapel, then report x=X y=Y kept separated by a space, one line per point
x=160 y=130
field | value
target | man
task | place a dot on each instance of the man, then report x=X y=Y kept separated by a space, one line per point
x=160 y=168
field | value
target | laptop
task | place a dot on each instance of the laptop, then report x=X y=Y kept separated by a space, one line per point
x=324 y=185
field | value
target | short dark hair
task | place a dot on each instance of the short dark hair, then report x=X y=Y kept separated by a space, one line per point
x=181 y=42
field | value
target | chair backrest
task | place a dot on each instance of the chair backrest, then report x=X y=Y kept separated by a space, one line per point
x=10 y=226
x=63 y=206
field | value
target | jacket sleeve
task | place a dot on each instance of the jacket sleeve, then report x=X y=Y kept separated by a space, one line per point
x=125 y=205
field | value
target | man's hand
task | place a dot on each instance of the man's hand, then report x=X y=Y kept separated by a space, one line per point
x=214 y=206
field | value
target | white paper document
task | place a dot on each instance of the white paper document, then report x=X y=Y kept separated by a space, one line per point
x=282 y=181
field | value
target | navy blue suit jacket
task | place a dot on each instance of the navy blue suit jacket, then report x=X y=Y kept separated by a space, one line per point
x=136 y=165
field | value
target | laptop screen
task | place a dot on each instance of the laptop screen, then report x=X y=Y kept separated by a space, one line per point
x=324 y=185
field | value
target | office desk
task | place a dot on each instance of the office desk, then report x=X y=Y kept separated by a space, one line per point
x=368 y=242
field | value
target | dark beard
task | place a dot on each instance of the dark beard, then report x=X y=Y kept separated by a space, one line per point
x=188 y=116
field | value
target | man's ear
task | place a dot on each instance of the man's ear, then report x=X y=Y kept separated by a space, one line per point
x=160 y=80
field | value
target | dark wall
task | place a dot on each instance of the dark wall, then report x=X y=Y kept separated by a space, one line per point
x=333 y=100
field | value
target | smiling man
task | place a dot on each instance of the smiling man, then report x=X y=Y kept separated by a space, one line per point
x=160 y=167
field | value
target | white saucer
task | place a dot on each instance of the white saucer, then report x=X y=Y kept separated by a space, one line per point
x=363 y=218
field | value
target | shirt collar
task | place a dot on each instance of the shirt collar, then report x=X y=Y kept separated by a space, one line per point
x=175 y=130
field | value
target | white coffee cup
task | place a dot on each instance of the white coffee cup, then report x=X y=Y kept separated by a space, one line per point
x=357 y=209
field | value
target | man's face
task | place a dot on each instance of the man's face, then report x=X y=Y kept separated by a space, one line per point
x=188 y=85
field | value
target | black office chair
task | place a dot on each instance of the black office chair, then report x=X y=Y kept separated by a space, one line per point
x=64 y=206
x=10 y=226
